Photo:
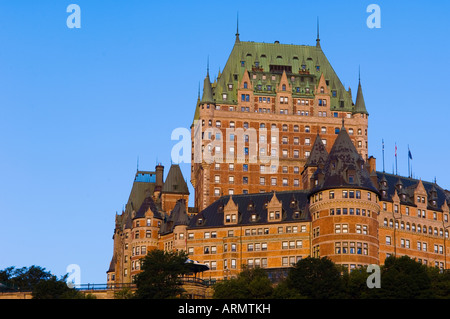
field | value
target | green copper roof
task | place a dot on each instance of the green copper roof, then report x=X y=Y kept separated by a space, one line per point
x=207 y=90
x=360 y=105
x=305 y=63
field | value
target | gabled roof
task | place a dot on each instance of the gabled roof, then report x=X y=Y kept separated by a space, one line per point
x=292 y=201
x=175 y=183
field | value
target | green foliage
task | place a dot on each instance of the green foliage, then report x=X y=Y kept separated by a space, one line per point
x=404 y=278
x=23 y=279
x=41 y=283
x=316 y=278
x=160 y=275
x=320 y=278
x=55 y=288
x=249 y=284
x=124 y=293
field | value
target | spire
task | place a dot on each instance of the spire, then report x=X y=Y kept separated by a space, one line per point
x=318 y=38
x=360 y=105
x=207 y=88
x=237 y=29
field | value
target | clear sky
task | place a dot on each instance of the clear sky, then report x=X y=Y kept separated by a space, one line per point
x=79 y=106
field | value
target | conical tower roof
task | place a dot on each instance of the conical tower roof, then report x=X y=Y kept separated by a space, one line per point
x=360 y=105
x=345 y=167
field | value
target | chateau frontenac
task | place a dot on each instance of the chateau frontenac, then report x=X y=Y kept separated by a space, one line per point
x=322 y=197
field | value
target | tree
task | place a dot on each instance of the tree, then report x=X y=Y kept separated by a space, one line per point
x=23 y=279
x=316 y=278
x=404 y=278
x=160 y=276
x=440 y=282
x=55 y=288
x=249 y=284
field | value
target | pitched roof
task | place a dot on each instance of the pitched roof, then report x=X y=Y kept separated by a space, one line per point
x=143 y=184
x=175 y=183
x=345 y=167
x=408 y=186
x=244 y=56
x=318 y=153
x=360 y=105
x=178 y=216
x=207 y=90
x=292 y=201
x=147 y=204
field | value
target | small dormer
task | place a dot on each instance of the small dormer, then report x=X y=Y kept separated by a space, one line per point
x=274 y=210
x=420 y=195
x=432 y=197
x=230 y=213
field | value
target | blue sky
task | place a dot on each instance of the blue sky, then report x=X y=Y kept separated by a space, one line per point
x=79 y=106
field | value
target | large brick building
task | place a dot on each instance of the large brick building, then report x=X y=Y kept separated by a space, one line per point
x=317 y=194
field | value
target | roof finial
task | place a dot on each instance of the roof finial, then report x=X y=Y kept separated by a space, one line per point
x=359 y=73
x=237 y=28
x=318 y=37
x=207 y=66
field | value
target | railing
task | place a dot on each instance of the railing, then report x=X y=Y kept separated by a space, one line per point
x=104 y=286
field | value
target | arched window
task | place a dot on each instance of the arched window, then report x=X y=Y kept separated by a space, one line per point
x=283 y=87
x=321 y=89
x=245 y=85
x=385 y=222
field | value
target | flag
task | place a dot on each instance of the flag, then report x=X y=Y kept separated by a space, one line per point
x=409 y=154
x=395 y=150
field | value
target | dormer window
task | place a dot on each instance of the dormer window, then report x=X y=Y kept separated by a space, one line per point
x=245 y=85
x=283 y=87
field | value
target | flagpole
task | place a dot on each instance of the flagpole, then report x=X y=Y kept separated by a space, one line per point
x=383 y=154
x=409 y=171
x=396 y=172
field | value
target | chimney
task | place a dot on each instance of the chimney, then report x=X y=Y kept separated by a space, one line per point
x=372 y=164
x=159 y=176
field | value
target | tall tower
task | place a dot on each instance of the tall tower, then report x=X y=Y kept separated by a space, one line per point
x=344 y=208
x=272 y=100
